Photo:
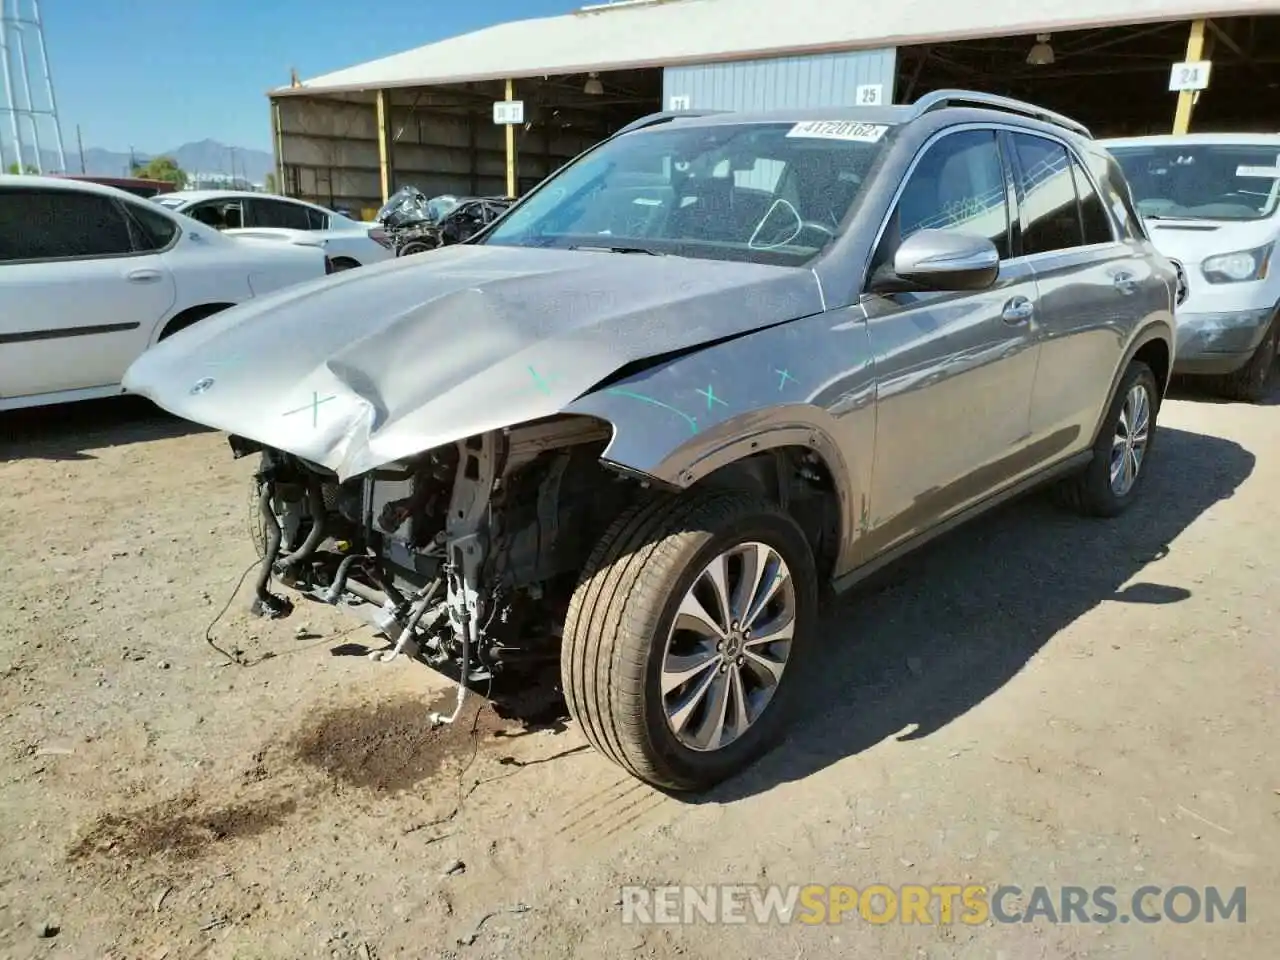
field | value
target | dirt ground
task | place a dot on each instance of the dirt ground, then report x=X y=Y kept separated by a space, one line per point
x=1035 y=700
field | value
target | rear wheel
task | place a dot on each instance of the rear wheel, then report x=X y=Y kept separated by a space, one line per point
x=1252 y=382
x=1111 y=482
x=685 y=639
x=190 y=318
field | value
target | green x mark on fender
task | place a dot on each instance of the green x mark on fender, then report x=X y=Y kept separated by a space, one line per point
x=542 y=384
x=712 y=399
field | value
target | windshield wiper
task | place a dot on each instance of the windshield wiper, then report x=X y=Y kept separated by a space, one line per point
x=608 y=249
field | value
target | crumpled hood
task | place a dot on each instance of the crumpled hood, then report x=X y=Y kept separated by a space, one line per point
x=372 y=365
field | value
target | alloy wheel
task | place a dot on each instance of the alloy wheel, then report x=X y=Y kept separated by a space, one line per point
x=728 y=646
x=1129 y=445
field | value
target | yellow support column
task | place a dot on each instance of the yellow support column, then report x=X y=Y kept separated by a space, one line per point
x=1187 y=98
x=511 y=145
x=384 y=152
x=277 y=132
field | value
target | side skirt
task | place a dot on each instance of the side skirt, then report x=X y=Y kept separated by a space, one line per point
x=1073 y=463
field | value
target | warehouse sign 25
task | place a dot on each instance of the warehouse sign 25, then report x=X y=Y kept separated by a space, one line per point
x=1193 y=75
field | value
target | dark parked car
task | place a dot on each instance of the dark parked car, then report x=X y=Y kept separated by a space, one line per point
x=712 y=367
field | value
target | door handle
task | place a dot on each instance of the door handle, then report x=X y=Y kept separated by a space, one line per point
x=1125 y=283
x=1017 y=311
x=144 y=276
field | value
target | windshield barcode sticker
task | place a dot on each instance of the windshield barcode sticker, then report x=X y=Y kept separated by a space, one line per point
x=1268 y=173
x=839 y=130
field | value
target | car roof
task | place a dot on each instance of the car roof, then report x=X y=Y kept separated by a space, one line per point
x=1173 y=139
x=886 y=115
x=60 y=183
x=965 y=110
x=195 y=196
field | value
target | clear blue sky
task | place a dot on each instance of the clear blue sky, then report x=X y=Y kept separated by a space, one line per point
x=156 y=75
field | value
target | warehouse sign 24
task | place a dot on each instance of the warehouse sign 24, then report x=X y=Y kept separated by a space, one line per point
x=839 y=130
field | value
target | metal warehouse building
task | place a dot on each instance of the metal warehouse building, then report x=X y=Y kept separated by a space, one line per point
x=428 y=116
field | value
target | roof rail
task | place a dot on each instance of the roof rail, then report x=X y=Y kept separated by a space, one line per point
x=663 y=117
x=937 y=99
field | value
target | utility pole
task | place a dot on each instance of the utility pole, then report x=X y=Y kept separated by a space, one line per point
x=80 y=144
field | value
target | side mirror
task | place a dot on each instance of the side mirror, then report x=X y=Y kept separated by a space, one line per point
x=939 y=260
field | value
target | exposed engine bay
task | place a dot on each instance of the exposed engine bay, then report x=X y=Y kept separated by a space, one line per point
x=467 y=554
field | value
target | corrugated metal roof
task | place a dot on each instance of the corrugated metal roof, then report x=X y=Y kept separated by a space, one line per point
x=666 y=32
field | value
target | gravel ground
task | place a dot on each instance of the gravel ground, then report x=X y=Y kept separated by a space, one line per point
x=1034 y=700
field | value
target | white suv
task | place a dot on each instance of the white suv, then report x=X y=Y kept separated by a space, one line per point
x=1212 y=204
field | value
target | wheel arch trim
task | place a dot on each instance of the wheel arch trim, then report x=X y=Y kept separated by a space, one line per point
x=732 y=442
x=1158 y=330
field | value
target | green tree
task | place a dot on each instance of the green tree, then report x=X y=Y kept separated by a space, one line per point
x=162 y=168
x=14 y=168
x=270 y=183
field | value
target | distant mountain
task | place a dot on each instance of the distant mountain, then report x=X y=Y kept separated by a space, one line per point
x=205 y=156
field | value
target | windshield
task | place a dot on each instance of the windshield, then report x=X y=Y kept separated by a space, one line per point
x=768 y=193
x=1209 y=181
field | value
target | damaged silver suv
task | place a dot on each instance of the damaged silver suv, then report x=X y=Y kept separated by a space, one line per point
x=717 y=366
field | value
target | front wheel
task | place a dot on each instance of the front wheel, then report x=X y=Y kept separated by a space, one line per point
x=685 y=638
x=415 y=247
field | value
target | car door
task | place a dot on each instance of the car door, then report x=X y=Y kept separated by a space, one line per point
x=1095 y=284
x=954 y=370
x=78 y=292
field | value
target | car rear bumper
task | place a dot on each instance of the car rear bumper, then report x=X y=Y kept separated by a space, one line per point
x=1216 y=343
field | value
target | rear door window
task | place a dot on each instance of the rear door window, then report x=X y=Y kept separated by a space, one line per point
x=280 y=213
x=1119 y=198
x=152 y=230
x=218 y=214
x=1097 y=224
x=40 y=224
x=1050 y=210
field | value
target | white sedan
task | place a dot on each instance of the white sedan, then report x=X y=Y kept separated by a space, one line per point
x=91 y=276
x=348 y=243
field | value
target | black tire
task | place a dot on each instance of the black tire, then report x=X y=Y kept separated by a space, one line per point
x=1090 y=492
x=188 y=319
x=622 y=610
x=1252 y=382
x=414 y=247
